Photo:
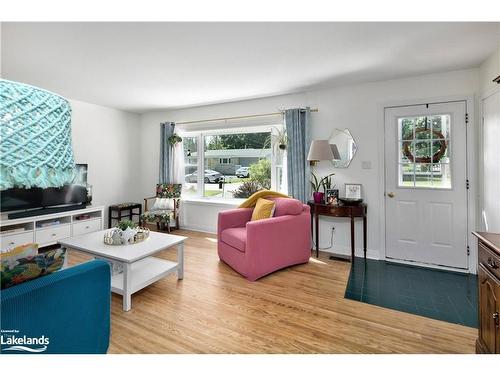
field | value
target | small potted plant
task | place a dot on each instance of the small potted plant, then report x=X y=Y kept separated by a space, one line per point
x=174 y=139
x=278 y=140
x=128 y=230
x=327 y=183
x=126 y=223
x=317 y=184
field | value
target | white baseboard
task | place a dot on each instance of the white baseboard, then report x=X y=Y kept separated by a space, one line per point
x=346 y=251
x=199 y=228
x=338 y=250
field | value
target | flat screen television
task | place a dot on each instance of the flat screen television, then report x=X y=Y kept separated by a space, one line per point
x=70 y=194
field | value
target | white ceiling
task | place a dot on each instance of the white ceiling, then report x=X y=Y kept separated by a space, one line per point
x=147 y=66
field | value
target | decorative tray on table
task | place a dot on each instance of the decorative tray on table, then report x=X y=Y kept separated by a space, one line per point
x=351 y=201
x=118 y=237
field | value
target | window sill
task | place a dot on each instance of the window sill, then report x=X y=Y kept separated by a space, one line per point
x=213 y=201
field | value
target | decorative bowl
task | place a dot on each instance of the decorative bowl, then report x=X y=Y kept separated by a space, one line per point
x=115 y=237
x=351 y=201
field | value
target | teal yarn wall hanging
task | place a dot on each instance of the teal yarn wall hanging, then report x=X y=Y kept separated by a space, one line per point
x=35 y=137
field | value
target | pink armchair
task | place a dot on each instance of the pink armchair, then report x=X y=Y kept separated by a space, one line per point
x=258 y=248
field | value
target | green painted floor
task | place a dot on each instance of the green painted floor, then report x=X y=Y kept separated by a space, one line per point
x=435 y=294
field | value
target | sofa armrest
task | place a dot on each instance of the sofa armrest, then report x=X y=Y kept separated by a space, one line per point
x=234 y=218
x=70 y=307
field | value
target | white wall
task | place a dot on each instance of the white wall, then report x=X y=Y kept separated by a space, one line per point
x=356 y=107
x=489 y=70
x=108 y=141
x=489 y=171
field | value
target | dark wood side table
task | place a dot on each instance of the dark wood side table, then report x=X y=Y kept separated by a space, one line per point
x=488 y=341
x=351 y=212
x=129 y=207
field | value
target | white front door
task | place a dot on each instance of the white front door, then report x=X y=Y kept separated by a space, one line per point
x=425 y=184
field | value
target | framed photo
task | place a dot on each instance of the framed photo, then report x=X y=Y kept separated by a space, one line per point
x=332 y=196
x=353 y=191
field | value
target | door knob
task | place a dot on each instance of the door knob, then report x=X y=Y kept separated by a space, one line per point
x=495 y=318
x=391 y=195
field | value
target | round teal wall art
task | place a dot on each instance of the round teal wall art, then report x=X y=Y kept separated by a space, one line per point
x=35 y=137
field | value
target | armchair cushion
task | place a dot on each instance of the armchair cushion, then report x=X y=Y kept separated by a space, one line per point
x=233 y=218
x=235 y=237
x=158 y=216
x=163 y=204
x=264 y=209
x=287 y=206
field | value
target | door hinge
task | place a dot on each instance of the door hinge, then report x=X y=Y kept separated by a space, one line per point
x=468 y=250
x=467 y=185
x=466 y=118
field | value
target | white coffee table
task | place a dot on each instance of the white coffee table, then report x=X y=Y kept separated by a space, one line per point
x=140 y=268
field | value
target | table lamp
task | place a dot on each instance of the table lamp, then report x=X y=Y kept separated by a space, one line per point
x=321 y=150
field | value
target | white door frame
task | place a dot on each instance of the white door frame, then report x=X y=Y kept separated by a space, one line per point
x=480 y=147
x=471 y=172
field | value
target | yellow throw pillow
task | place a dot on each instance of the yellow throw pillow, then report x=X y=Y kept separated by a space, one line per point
x=264 y=209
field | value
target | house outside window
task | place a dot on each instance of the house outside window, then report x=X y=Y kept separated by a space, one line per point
x=235 y=163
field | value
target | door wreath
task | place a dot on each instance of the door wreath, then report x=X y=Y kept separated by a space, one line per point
x=434 y=158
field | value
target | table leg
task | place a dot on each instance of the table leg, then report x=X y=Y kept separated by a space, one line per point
x=127 y=286
x=364 y=235
x=316 y=216
x=352 y=239
x=312 y=228
x=180 y=261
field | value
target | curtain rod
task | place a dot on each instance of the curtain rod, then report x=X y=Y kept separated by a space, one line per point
x=238 y=117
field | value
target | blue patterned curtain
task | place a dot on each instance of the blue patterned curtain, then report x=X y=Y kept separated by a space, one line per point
x=166 y=157
x=297 y=130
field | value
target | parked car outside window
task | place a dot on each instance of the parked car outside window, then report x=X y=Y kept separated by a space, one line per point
x=209 y=177
x=243 y=172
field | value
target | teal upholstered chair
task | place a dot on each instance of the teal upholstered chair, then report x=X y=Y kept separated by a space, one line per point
x=165 y=210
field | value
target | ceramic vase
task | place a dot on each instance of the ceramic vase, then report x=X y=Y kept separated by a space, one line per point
x=318 y=196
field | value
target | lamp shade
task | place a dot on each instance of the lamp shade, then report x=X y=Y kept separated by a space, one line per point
x=35 y=137
x=320 y=150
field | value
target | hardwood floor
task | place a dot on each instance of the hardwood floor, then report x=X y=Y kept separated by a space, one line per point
x=297 y=310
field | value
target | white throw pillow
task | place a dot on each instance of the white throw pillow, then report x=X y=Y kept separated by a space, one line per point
x=163 y=204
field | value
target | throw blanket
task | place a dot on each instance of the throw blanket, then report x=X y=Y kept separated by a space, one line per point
x=252 y=200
